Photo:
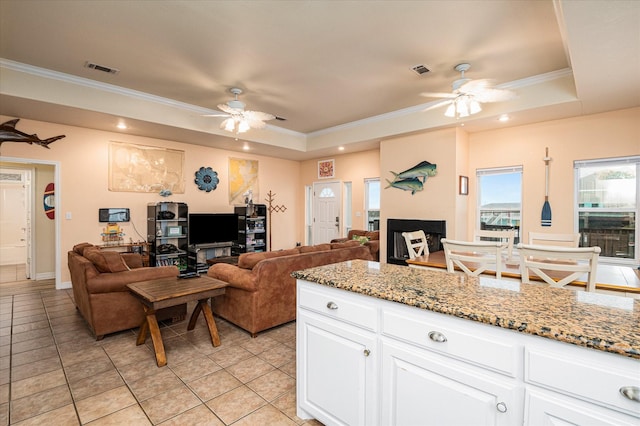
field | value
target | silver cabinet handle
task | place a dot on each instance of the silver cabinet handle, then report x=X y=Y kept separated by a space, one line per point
x=436 y=336
x=501 y=407
x=367 y=352
x=631 y=392
x=332 y=305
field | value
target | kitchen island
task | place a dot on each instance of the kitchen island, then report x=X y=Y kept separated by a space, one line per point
x=387 y=344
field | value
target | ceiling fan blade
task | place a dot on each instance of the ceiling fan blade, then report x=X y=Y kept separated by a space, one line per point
x=437 y=105
x=228 y=109
x=258 y=116
x=438 y=95
x=216 y=115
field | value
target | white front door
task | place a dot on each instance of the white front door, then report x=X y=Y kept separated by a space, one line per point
x=326 y=211
x=15 y=220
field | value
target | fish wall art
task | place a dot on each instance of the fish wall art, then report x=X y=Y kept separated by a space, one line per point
x=413 y=179
x=9 y=133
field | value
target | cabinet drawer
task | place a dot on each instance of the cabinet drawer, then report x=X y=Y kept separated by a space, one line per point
x=338 y=304
x=589 y=375
x=472 y=343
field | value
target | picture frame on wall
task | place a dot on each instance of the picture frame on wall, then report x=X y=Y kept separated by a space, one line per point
x=464 y=185
x=326 y=169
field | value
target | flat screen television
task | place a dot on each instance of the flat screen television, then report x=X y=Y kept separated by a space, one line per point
x=211 y=228
x=113 y=215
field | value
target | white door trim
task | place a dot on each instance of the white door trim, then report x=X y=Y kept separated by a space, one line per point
x=58 y=189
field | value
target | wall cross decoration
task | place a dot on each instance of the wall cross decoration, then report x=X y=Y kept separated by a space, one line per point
x=272 y=208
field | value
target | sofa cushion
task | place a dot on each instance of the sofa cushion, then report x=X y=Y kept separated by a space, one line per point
x=106 y=261
x=372 y=235
x=249 y=260
x=79 y=248
x=346 y=244
x=317 y=247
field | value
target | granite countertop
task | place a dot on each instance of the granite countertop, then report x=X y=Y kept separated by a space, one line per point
x=600 y=321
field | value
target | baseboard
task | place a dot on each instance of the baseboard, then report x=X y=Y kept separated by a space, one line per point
x=45 y=276
x=64 y=286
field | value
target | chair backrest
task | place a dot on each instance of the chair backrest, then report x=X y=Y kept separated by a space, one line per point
x=474 y=257
x=545 y=239
x=505 y=236
x=542 y=260
x=416 y=243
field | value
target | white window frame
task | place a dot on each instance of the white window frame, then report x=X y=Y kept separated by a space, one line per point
x=495 y=171
x=577 y=209
x=367 y=209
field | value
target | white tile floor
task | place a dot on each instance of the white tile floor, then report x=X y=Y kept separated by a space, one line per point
x=52 y=371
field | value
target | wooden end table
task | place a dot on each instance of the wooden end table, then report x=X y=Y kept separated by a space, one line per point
x=167 y=292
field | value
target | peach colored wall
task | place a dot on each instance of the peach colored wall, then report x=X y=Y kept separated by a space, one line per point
x=612 y=134
x=83 y=158
x=354 y=168
x=438 y=199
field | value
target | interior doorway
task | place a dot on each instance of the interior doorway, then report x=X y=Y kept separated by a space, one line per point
x=16 y=200
x=42 y=233
x=327 y=216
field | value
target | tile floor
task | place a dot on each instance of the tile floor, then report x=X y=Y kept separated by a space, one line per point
x=52 y=371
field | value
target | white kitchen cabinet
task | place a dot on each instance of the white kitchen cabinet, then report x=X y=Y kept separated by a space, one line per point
x=549 y=408
x=336 y=364
x=428 y=368
x=423 y=388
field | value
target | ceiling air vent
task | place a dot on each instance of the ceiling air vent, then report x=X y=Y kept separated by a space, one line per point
x=280 y=118
x=420 y=69
x=101 y=68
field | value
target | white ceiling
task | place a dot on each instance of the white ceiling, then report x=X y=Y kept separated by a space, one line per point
x=338 y=71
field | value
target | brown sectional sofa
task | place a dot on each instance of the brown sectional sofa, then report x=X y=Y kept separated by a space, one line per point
x=99 y=279
x=262 y=292
x=372 y=236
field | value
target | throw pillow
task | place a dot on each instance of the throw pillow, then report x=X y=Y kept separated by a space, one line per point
x=106 y=261
x=79 y=248
x=361 y=239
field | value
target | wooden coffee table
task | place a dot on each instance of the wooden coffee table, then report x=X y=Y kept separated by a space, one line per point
x=167 y=292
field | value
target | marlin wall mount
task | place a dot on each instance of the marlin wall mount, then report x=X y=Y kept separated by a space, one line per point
x=413 y=179
x=8 y=133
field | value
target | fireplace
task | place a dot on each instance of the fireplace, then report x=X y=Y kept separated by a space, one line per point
x=397 y=252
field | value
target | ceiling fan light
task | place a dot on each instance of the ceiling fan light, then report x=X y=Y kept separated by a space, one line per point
x=474 y=107
x=243 y=126
x=463 y=109
x=451 y=110
x=228 y=124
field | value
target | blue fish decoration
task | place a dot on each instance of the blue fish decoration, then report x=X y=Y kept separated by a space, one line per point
x=412 y=184
x=423 y=170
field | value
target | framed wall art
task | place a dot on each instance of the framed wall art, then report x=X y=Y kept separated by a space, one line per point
x=326 y=169
x=464 y=185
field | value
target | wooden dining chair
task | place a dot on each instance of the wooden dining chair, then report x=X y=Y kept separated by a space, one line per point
x=505 y=236
x=416 y=243
x=564 y=240
x=474 y=257
x=570 y=263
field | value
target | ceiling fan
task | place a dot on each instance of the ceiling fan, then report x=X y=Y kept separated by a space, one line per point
x=468 y=94
x=240 y=120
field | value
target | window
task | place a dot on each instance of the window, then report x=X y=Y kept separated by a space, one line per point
x=500 y=199
x=607 y=198
x=372 y=203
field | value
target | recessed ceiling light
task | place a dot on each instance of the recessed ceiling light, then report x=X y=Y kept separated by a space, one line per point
x=245 y=147
x=341 y=148
x=503 y=118
x=121 y=126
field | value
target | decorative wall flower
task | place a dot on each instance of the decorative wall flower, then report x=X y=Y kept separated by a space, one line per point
x=206 y=179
